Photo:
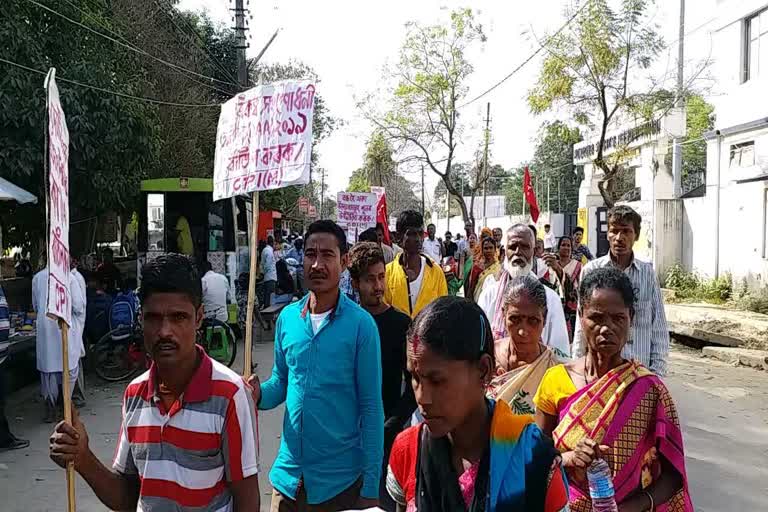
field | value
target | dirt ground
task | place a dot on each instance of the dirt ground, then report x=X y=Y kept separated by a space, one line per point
x=751 y=328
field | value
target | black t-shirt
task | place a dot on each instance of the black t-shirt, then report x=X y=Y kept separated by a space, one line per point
x=450 y=249
x=393 y=326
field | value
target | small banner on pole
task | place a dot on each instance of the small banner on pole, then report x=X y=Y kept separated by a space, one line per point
x=59 y=297
x=264 y=139
x=356 y=212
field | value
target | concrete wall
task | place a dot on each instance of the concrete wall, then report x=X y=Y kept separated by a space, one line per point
x=698 y=254
x=667 y=235
x=742 y=211
x=555 y=220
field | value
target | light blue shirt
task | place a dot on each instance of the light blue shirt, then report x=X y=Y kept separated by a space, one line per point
x=333 y=428
x=268 y=264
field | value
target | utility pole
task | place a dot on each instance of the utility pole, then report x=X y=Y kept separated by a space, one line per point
x=242 y=44
x=422 y=191
x=448 y=209
x=548 y=196
x=677 y=149
x=322 y=193
x=242 y=79
x=559 y=204
x=485 y=156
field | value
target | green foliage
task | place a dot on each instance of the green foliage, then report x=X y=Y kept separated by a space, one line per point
x=113 y=141
x=380 y=169
x=692 y=287
x=750 y=300
x=700 y=119
x=553 y=161
x=587 y=69
x=358 y=182
x=430 y=83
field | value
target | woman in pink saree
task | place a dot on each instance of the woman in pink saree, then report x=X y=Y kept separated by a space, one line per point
x=602 y=406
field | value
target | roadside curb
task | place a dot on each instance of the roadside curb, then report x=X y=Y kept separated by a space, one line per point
x=743 y=356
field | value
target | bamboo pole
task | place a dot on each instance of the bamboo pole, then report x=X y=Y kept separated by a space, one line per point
x=247 y=360
x=67 y=392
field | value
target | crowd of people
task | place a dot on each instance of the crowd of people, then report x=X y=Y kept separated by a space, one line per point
x=425 y=375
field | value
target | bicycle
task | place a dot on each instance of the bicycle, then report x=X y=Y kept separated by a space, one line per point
x=120 y=355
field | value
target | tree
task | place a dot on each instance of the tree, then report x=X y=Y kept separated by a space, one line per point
x=700 y=119
x=587 y=68
x=552 y=164
x=193 y=42
x=113 y=140
x=431 y=78
x=380 y=170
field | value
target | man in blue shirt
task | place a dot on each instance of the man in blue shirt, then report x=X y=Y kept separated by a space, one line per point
x=7 y=440
x=328 y=372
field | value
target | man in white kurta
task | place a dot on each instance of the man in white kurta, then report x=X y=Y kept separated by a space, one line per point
x=48 y=344
x=518 y=261
x=76 y=331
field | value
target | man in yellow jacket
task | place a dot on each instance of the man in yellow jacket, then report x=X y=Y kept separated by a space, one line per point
x=413 y=280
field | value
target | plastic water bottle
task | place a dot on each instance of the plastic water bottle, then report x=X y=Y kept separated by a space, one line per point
x=601 y=487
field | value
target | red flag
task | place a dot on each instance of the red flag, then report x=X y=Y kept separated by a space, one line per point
x=381 y=217
x=530 y=196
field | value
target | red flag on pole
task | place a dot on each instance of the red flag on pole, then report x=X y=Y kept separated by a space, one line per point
x=530 y=196
x=381 y=211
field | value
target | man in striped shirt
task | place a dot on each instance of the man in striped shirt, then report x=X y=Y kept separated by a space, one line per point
x=649 y=338
x=188 y=436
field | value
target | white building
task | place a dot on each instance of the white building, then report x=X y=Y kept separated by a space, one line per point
x=649 y=187
x=727 y=229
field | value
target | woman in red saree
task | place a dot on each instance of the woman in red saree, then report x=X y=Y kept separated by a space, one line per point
x=602 y=406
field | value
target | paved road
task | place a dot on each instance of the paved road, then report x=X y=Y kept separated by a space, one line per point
x=724 y=411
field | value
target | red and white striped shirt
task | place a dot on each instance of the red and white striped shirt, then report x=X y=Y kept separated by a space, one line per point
x=184 y=457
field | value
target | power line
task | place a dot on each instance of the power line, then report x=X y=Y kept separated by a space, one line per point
x=527 y=60
x=109 y=31
x=128 y=46
x=108 y=91
x=216 y=62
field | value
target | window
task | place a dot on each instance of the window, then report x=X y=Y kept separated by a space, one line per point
x=743 y=154
x=156 y=221
x=755 y=49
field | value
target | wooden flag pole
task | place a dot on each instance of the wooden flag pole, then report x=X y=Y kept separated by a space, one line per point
x=247 y=362
x=67 y=392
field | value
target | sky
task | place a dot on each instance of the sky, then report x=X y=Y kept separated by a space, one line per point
x=349 y=42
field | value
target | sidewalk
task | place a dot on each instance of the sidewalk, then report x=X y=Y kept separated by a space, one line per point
x=710 y=323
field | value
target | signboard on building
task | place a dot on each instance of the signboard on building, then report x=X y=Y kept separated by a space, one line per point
x=264 y=139
x=631 y=135
x=303 y=204
x=356 y=212
x=59 y=296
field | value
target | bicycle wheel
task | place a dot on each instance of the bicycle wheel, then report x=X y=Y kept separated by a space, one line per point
x=116 y=360
x=221 y=345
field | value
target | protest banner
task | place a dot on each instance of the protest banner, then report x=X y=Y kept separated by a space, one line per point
x=356 y=212
x=264 y=139
x=312 y=211
x=59 y=304
x=303 y=205
x=263 y=142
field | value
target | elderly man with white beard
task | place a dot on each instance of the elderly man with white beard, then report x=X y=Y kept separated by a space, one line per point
x=518 y=262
